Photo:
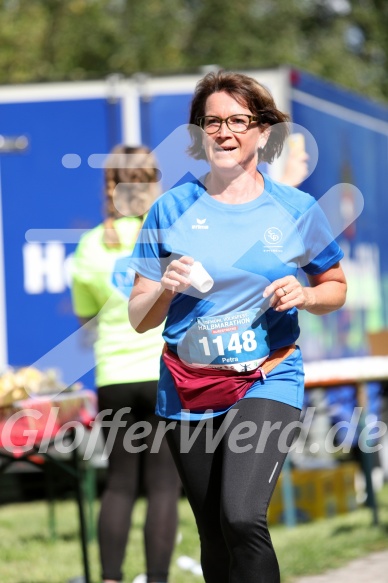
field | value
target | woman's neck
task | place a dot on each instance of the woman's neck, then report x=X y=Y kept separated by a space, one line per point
x=236 y=190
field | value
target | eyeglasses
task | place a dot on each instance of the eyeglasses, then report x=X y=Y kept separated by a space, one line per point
x=237 y=124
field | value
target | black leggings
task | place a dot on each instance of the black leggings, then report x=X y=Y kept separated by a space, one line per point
x=127 y=471
x=230 y=488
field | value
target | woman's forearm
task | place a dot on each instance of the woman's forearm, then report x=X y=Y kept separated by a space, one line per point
x=325 y=297
x=148 y=310
x=150 y=300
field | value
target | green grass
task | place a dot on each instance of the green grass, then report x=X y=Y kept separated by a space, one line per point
x=28 y=555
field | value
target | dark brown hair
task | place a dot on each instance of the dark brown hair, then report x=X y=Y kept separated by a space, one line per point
x=249 y=93
x=131 y=185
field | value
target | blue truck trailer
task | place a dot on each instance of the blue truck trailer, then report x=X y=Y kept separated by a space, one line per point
x=51 y=192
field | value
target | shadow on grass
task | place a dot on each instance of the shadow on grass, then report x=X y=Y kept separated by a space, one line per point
x=45 y=538
x=348 y=528
x=79 y=579
x=76 y=580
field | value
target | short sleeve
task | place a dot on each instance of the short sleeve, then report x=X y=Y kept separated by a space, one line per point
x=84 y=301
x=147 y=255
x=84 y=304
x=321 y=249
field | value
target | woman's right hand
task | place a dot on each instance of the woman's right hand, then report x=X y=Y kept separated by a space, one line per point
x=175 y=278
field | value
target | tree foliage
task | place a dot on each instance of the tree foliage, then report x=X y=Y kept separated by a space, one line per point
x=49 y=40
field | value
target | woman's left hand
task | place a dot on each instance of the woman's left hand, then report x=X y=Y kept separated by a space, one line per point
x=287 y=293
x=326 y=292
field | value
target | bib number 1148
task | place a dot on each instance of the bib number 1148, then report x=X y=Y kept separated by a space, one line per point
x=248 y=343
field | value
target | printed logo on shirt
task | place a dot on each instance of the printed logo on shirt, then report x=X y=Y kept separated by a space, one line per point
x=273 y=237
x=123 y=276
x=200 y=224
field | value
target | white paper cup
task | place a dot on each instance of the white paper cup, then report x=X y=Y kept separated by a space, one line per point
x=199 y=277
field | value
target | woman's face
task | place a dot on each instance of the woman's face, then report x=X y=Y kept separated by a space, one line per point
x=226 y=150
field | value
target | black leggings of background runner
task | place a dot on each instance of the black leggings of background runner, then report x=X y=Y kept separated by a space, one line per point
x=128 y=473
x=229 y=491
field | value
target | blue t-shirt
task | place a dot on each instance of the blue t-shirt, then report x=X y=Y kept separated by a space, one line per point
x=244 y=247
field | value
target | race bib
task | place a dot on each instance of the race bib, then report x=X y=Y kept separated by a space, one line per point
x=236 y=341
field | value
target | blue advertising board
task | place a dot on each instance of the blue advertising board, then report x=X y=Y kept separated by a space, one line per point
x=46 y=203
x=352 y=137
